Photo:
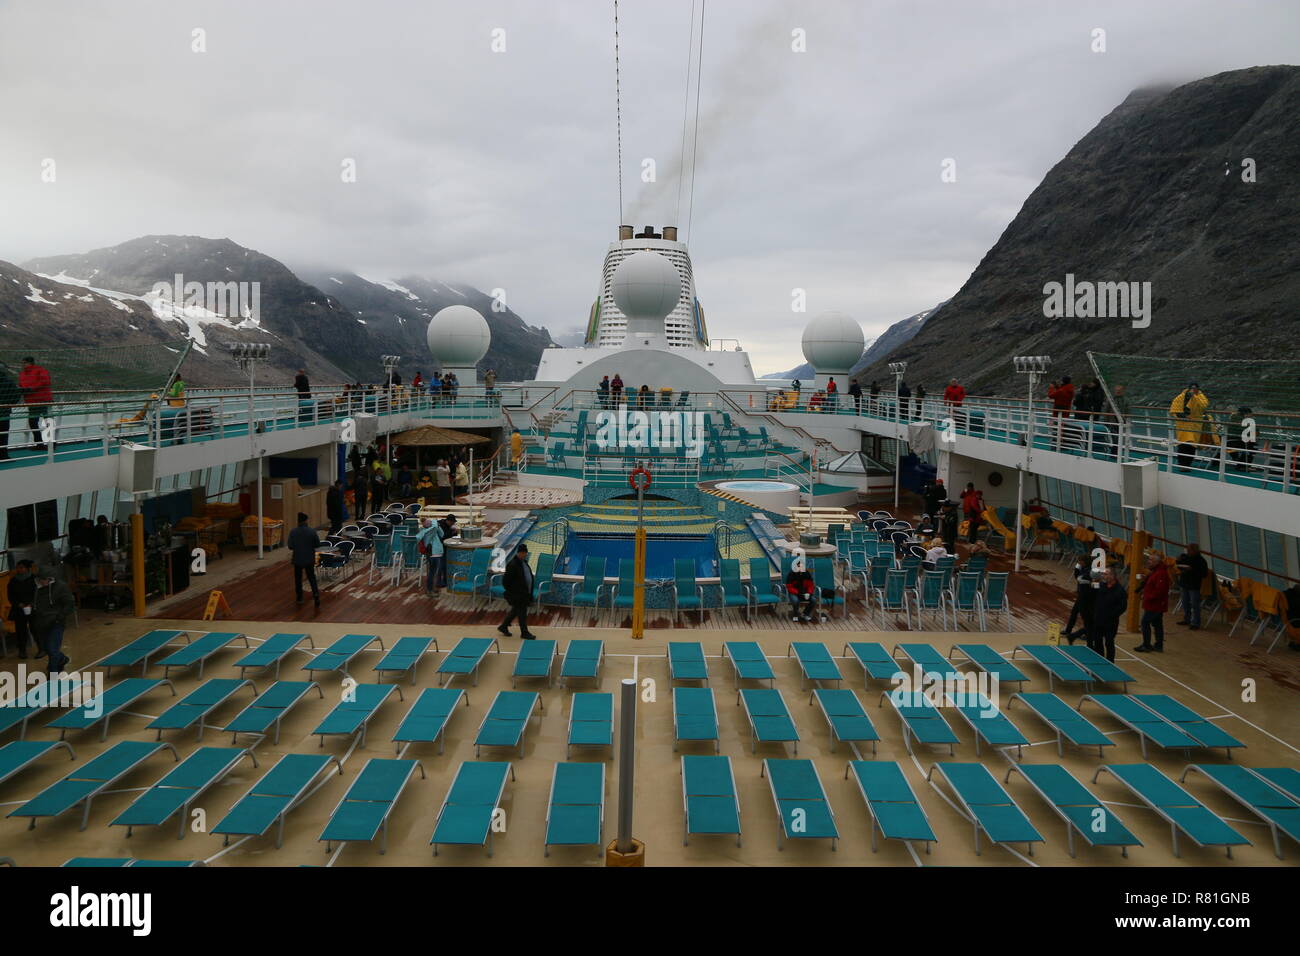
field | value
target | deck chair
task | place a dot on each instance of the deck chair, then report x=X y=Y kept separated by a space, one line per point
x=815 y=662
x=139 y=651
x=269 y=708
x=195 y=706
x=80 y=786
x=1275 y=808
x=404 y=656
x=1065 y=721
x=687 y=593
x=587 y=592
x=177 y=791
x=623 y=593
x=709 y=797
x=932 y=596
x=339 y=655
x=1182 y=811
x=800 y=801
x=364 y=810
x=467 y=812
x=1286 y=779
x=921 y=720
x=894 y=598
x=1058 y=666
x=764 y=591
x=1083 y=813
x=428 y=717
x=352 y=716
x=686 y=661
x=1189 y=722
x=769 y=718
x=49 y=694
x=891 y=802
x=876 y=662
x=543 y=579
x=968 y=599
x=507 y=720
x=845 y=717
x=386 y=558
x=995 y=597
x=987 y=805
x=272 y=652
x=734 y=593
x=591 y=722
x=989 y=724
x=1101 y=669
x=928 y=660
x=1147 y=724
x=473 y=581
x=18 y=755
x=695 y=715
x=827 y=590
x=466 y=658
x=748 y=661
x=575 y=810
x=102 y=708
x=198 y=651
x=535 y=660
x=989 y=661
x=583 y=661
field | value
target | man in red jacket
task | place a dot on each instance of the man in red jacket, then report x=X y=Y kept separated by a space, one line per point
x=1155 y=601
x=954 y=394
x=34 y=381
x=972 y=503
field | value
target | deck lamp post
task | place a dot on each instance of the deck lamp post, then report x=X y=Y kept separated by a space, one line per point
x=898 y=368
x=1033 y=366
x=247 y=355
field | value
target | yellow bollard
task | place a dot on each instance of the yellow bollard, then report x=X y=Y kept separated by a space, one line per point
x=634 y=857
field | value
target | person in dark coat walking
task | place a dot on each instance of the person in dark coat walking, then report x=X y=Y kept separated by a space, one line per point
x=51 y=605
x=21 y=593
x=949 y=522
x=517 y=583
x=302 y=386
x=1192 y=571
x=303 y=543
x=360 y=495
x=934 y=494
x=855 y=391
x=1111 y=603
x=1085 y=595
x=334 y=506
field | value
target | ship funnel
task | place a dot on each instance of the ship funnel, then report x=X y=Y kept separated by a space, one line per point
x=624 y=232
x=670 y=233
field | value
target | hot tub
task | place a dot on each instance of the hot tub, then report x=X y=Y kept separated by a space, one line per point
x=779 y=496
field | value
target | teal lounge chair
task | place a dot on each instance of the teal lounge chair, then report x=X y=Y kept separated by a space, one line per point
x=989 y=724
x=198 y=651
x=583 y=661
x=575 y=810
x=709 y=797
x=987 y=805
x=1058 y=666
x=800 y=801
x=535 y=660
x=591 y=722
x=845 y=717
x=80 y=786
x=270 y=799
x=1183 y=812
x=466 y=815
x=18 y=755
x=364 y=810
x=195 y=706
x=891 y=802
x=352 y=714
x=466 y=658
x=272 y=651
x=877 y=664
x=139 y=651
x=921 y=720
x=991 y=662
x=1147 y=724
x=405 y=656
x=1279 y=811
x=1100 y=668
x=428 y=717
x=507 y=719
x=339 y=655
x=177 y=791
x=764 y=590
x=686 y=661
x=102 y=708
x=1066 y=722
x=269 y=708
x=1083 y=813
x=748 y=661
x=587 y=593
x=695 y=715
x=769 y=718
x=815 y=663
x=688 y=595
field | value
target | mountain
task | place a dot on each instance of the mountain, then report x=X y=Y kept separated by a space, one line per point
x=398 y=312
x=1160 y=191
x=894 y=336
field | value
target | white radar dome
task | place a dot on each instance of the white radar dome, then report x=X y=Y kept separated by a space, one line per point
x=833 y=342
x=458 y=336
x=646 y=287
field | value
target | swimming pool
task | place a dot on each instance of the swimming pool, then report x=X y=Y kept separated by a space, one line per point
x=756 y=486
x=661 y=551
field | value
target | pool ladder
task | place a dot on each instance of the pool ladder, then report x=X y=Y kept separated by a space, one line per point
x=724 y=534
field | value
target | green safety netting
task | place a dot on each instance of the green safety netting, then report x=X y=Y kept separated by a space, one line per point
x=80 y=374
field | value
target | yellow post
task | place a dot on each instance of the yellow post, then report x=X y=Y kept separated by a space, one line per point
x=137 y=563
x=638 y=591
x=1136 y=565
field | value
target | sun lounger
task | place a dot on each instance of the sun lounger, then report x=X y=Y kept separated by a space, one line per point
x=709 y=797
x=466 y=658
x=686 y=661
x=139 y=651
x=115 y=862
x=921 y=719
x=695 y=715
x=815 y=662
x=1189 y=722
x=35 y=702
x=845 y=717
x=339 y=655
x=270 y=799
x=1255 y=793
x=988 y=806
x=466 y=815
x=1065 y=721
x=199 y=650
x=875 y=660
x=769 y=718
x=575 y=812
x=428 y=717
x=1058 y=666
x=272 y=651
x=927 y=658
x=1146 y=723
x=891 y=802
x=269 y=708
x=405 y=656
x=748 y=661
x=800 y=801
x=82 y=784
x=102 y=708
x=535 y=659
x=991 y=662
x=1082 y=812
x=1286 y=779
x=1096 y=665
x=582 y=660
x=184 y=784
x=17 y=756
x=1176 y=806
x=507 y=720
x=591 y=722
x=989 y=724
x=198 y=703
x=352 y=714
x=364 y=810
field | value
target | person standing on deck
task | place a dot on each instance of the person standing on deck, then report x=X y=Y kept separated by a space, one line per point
x=1192 y=572
x=51 y=605
x=919 y=396
x=855 y=392
x=1112 y=601
x=360 y=495
x=21 y=592
x=303 y=543
x=934 y=494
x=34 y=381
x=429 y=543
x=442 y=477
x=602 y=392
x=948 y=523
x=1085 y=595
x=1188 y=411
x=873 y=394
x=972 y=503
x=1155 y=601
x=517 y=583
x=334 y=506
x=302 y=386
x=616 y=388
x=462 y=478
x=832 y=395
x=954 y=394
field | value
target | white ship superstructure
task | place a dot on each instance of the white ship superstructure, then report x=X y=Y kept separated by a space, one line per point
x=684 y=326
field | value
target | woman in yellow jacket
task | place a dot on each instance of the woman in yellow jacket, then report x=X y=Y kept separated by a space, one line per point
x=1190 y=424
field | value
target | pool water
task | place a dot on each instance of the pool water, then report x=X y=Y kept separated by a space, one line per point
x=661 y=552
x=756 y=486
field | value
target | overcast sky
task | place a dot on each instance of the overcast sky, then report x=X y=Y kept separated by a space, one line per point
x=818 y=170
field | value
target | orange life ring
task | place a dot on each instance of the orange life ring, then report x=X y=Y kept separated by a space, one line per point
x=631 y=479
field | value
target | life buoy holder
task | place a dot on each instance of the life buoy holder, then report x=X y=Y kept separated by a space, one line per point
x=632 y=478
